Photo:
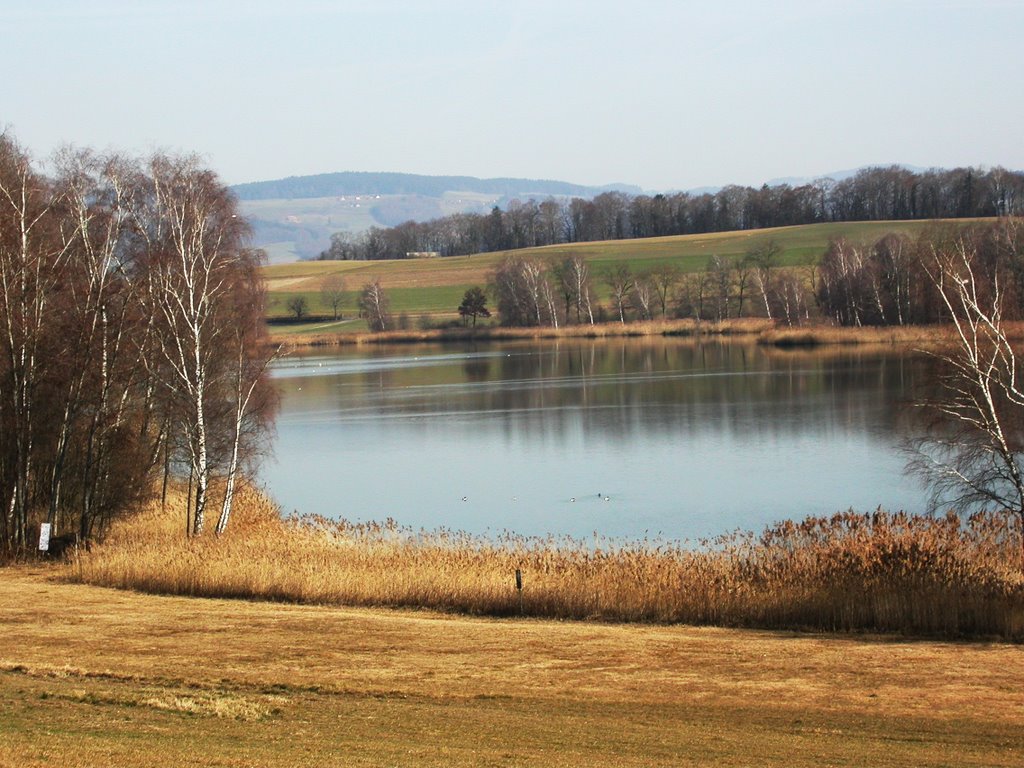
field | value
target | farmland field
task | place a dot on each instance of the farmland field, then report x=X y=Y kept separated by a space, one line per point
x=435 y=286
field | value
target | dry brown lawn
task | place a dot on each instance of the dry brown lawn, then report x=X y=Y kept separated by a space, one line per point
x=93 y=676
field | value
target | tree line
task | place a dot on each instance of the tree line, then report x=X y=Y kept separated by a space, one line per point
x=891 y=281
x=131 y=341
x=872 y=194
x=900 y=281
x=532 y=291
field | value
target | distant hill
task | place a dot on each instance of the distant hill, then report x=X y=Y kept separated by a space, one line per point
x=294 y=218
x=361 y=183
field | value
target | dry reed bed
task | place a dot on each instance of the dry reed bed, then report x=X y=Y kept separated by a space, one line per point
x=820 y=335
x=765 y=332
x=921 y=336
x=876 y=571
x=736 y=327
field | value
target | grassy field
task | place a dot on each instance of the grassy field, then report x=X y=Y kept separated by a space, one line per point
x=92 y=676
x=434 y=287
x=319 y=671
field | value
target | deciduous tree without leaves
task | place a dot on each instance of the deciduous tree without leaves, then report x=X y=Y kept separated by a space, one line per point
x=374 y=304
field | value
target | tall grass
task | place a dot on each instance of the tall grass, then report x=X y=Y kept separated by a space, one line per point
x=877 y=571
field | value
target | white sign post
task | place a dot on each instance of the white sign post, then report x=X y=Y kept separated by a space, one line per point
x=44 y=537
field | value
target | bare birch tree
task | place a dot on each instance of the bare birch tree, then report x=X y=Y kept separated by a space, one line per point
x=620 y=281
x=642 y=297
x=196 y=262
x=130 y=329
x=542 y=299
x=32 y=260
x=765 y=259
x=573 y=276
x=523 y=292
x=974 y=459
x=102 y=331
x=252 y=400
x=719 y=282
x=374 y=304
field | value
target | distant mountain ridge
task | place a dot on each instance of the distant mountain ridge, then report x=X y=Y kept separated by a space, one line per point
x=386 y=183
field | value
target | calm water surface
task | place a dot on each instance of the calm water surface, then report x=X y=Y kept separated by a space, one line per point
x=624 y=438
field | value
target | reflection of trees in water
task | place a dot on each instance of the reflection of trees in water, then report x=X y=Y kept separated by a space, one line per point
x=620 y=389
x=612 y=389
x=477 y=368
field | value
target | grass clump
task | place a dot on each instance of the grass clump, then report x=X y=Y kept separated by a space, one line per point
x=877 y=571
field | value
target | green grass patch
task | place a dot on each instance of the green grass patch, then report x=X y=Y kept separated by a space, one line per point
x=435 y=286
x=432 y=300
x=443 y=299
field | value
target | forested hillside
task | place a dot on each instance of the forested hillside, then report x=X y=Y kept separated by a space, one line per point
x=389 y=215
x=294 y=218
x=873 y=194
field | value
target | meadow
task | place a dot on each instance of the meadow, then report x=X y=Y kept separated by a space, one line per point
x=92 y=676
x=291 y=642
x=434 y=287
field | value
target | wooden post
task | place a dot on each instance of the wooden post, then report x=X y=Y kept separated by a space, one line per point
x=519 y=589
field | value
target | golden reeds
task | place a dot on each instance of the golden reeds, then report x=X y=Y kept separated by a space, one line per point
x=850 y=571
x=764 y=331
x=687 y=327
x=916 y=336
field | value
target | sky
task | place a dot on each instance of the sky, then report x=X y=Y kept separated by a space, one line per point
x=663 y=95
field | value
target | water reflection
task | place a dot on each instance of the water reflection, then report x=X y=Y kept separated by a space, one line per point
x=692 y=438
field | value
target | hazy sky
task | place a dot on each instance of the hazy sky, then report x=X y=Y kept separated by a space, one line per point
x=666 y=95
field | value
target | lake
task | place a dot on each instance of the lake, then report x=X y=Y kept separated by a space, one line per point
x=626 y=438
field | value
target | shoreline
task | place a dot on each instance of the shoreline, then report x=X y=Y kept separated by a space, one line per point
x=756 y=330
